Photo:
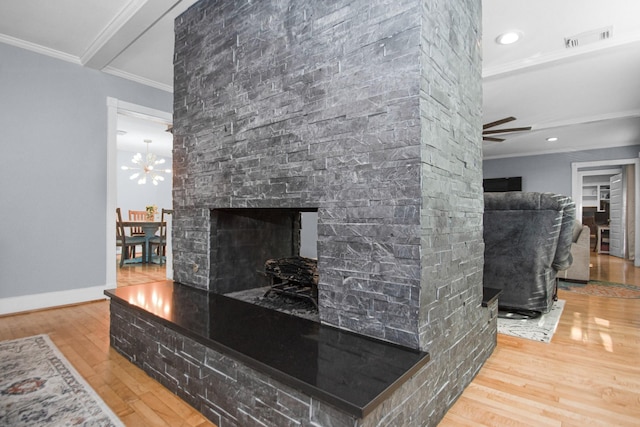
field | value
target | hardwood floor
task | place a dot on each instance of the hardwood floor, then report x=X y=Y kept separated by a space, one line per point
x=81 y=332
x=587 y=376
x=137 y=274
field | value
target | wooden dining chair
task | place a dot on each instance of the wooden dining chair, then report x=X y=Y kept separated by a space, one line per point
x=136 y=231
x=137 y=216
x=128 y=243
x=160 y=241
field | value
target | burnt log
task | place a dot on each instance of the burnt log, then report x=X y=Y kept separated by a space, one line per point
x=294 y=269
x=294 y=276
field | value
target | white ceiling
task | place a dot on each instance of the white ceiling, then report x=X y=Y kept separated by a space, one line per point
x=588 y=96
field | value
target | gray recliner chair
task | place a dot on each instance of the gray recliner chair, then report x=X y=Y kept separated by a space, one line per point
x=527 y=240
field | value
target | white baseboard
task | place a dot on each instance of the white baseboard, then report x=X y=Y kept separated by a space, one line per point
x=51 y=299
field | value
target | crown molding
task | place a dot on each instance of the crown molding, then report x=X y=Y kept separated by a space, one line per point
x=135 y=78
x=33 y=47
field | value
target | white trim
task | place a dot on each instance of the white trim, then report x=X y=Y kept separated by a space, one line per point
x=556 y=151
x=135 y=78
x=43 y=50
x=50 y=299
x=111 y=30
x=115 y=107
x=140 y=111
x=169 y=258
x=112 y=188
x=628 y=114
x=576 y=189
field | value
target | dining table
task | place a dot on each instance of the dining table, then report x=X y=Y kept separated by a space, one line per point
x=149 y=229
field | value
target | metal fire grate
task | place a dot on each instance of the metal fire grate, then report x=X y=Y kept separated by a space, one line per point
x=295 y=277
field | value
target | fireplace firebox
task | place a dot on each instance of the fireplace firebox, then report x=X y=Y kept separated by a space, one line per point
x=243 y=240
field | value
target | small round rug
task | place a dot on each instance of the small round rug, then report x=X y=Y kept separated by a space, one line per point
x=601 y=289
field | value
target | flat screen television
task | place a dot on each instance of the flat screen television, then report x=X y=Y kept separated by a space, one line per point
x=513 y=183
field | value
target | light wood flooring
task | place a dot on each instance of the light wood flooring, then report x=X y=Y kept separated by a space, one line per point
x=587 y=376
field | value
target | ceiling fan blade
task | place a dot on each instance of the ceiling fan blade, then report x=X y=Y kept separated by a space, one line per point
x=492 y=139
x=498 y=122
x=491 y=132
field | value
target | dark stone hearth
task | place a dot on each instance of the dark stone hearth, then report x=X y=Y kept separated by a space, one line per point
x=350 y=372
x=243 y=365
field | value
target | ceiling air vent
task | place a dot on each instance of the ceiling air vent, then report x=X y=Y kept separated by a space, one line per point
x=588 y=37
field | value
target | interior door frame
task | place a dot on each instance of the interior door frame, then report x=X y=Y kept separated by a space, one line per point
x=623 y=215
x=576 y=189
x=115 y=107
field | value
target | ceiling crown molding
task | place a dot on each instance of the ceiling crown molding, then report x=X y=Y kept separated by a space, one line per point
x=33 y=47
x=136 y=78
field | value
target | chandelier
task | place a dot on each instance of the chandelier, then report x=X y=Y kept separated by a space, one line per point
x=146 y=167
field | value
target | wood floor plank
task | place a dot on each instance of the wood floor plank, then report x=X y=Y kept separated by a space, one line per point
x=166 y=412
x=151 y=417
x=587 y=376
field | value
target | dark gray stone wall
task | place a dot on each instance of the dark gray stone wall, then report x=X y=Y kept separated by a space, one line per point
x=368 y=111
x=452 y=247
x=305 y=104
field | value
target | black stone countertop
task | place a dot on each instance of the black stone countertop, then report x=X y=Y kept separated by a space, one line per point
x=489 y=295
x=349 y=371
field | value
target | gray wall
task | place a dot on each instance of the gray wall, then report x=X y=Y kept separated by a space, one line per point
x=53 y=116
x=551 y=172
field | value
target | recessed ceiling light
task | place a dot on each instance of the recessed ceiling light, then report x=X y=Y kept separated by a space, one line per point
x=552 y=139
x=509 y=37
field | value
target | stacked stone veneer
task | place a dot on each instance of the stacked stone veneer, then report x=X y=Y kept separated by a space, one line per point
x=369 y=112
x=232 y=394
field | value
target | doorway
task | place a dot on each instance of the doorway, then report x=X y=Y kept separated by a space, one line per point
x=581 y=171
x=115 y=108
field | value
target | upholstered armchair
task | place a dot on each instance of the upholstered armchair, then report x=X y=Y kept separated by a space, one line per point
x=527 y=239
x=580 y=251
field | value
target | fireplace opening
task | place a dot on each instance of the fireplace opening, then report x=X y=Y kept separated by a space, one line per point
x=267 y=257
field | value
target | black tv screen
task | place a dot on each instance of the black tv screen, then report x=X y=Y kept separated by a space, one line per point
x=492 y=185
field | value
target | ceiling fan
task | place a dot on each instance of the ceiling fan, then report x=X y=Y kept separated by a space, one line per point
x=486 y=132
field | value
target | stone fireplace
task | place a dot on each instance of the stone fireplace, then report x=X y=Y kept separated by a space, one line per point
x=242 y=240
x=368 y=114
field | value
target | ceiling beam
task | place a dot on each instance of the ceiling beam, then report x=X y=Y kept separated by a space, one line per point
x=618 y=115
x=132 y=22
x=546 y=59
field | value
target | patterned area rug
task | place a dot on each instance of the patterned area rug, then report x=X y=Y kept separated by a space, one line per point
x=602 y=289
x=39 y=387
x=540 y=329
